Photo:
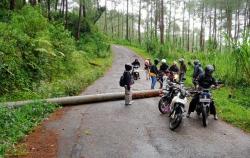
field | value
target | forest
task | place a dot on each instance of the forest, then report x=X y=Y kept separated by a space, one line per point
x=52 y=48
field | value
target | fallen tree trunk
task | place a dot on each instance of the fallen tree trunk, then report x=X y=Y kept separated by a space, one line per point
x=86 y=99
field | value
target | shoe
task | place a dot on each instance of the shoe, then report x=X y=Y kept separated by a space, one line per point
x=188 y=115
x=215 y=117
x=130 y=103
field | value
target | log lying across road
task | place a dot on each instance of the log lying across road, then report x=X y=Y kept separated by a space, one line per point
x=86 y=99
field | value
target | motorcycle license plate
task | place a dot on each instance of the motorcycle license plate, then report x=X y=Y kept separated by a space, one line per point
x=205 y=100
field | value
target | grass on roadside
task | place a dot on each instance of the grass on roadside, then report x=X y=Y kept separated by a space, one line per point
x=234 y=110
x=16 y=123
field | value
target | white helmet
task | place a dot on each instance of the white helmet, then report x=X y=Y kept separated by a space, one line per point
x=163 y=60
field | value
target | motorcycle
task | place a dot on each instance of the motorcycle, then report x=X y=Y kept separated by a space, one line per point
x=135 y=72
x=203 y=106
x=168 y=94
x=178 y=107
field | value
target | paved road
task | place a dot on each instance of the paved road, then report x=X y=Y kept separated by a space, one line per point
x=112 y=130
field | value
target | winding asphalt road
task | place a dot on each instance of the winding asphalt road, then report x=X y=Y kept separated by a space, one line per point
x=112 y=130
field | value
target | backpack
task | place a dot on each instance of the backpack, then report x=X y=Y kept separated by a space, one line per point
x=122 y=83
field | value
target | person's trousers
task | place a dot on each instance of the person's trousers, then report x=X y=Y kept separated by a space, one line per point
x=128 y=95
x=153 y=82
x=147 y=74
x=195 y=100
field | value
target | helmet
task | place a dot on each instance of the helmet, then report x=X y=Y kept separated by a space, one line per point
x=209 y=70
x=163 y=60
x=156 y=61
x=128 y=67
x=196 y=62
x=181 y=60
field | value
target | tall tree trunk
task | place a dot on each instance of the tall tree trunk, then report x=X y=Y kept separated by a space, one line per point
x=235 y=24
x=215 y=25
x=24 y=2
x=210 y=24
x=63 y=7
x=220 y=30
x=56 y=4
x=12 y=4
x=123 y=10
x=66 y=13
x=156 y=18
x=79 y=21
x=245 y=18
x=202 y=29
x=229 y=20
x=162 y=23
x=169 y=18
x=193 y=42
x=188 y=43
x=238 y=29
x=32 y=2
x=147 y=21
x=139 y=24
x=174 y=27
x=105 y=17
x=118 y=29
x=132 y=27
x=183 y=24
x=151 y=20
x=127 y=38
x=48 y=9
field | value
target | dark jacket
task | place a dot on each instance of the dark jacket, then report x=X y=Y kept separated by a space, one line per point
x=183 y=68
x=127 y=79
x=206 y=81
x=136 y=63
x=153 y=69
x=197 y=71
x=174 y=68
x=163 y=67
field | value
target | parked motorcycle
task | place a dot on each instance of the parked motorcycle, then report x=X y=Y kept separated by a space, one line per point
x=203 y=106
x=135 y=72
x=178 y=107
x=170 y=90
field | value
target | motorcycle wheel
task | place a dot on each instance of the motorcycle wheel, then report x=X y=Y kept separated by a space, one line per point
x=164 y=106
x=204 y=116
x=176 y=121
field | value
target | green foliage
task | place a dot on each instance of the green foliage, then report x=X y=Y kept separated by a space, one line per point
x=34 y=53
x=16 y=123
x=233 y=106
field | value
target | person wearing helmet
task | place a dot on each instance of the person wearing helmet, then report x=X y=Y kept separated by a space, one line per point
x=136 y=63
x=154 y=73
x=183 y=69
x=128 y=81
x=162 y=71
x=174 y=68
x=197 y=71
x=205 y=81
x=164 y=65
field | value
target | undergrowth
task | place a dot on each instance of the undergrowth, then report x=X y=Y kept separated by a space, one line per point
x=16 y=123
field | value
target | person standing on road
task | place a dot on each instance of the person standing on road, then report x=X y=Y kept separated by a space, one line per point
x=128 y=81
x=162 y=71
x=183 y=69
x=147 y=65
x=153 y=73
